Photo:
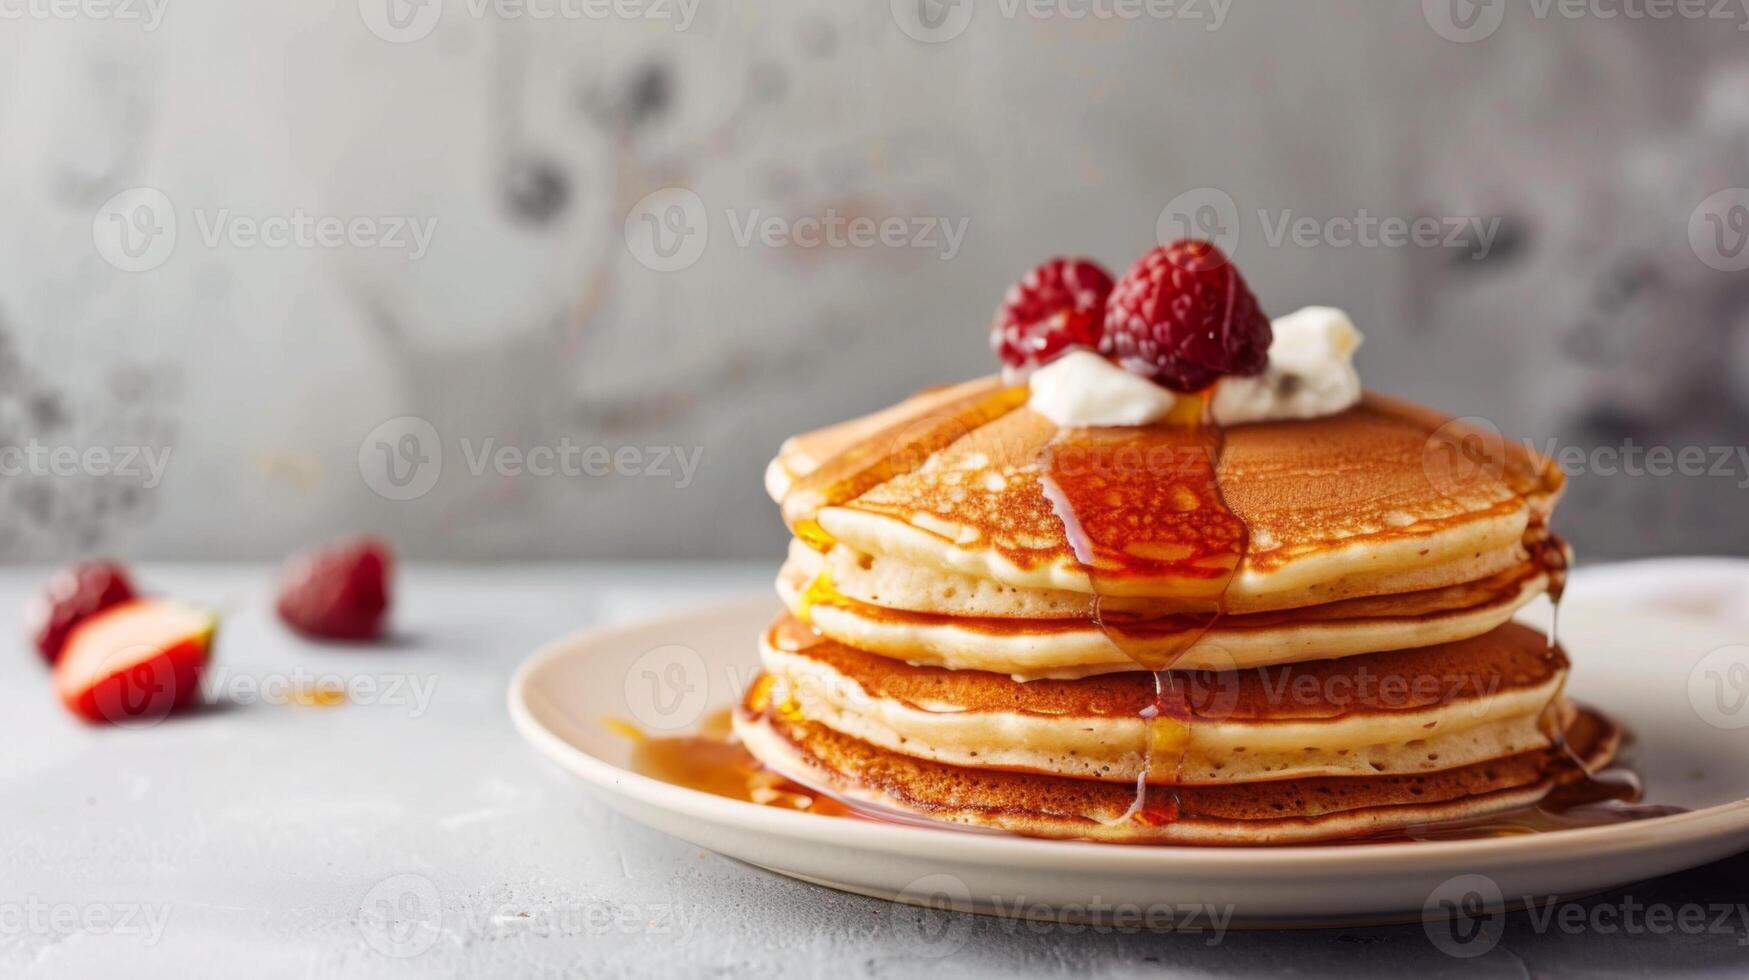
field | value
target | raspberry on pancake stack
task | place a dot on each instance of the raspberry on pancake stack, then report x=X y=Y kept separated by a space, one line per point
x=1173 y=578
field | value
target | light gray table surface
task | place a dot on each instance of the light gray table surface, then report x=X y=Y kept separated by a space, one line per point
x=254 y=837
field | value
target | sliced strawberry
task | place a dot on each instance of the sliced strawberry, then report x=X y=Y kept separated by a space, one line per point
x=74 y=593
x=136 y=662
x=339 y=591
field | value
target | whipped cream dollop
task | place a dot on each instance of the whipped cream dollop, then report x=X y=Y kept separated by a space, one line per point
x=1082 y=389
x=1310 y=374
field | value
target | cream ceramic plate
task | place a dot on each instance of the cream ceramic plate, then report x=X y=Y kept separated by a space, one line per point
x=1679 y=684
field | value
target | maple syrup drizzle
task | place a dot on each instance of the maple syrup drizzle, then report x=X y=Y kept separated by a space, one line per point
x=1145 y=504
x=1591 y=799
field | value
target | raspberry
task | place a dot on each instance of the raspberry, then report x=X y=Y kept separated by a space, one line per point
x=339 y=591
x=71 y=596
x=1054 y=307
x=1184 y=317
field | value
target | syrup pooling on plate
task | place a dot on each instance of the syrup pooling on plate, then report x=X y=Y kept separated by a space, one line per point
x=1601 y=799
x=1146 y=504
x=711 y=761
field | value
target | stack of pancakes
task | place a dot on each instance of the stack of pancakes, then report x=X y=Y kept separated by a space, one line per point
x=1302 y=633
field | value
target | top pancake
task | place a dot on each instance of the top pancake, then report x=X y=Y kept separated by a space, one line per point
x=1382 y=498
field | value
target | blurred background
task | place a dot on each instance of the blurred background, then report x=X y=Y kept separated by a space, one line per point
x=553 y=278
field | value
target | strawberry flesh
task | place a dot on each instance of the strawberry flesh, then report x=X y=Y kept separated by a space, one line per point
x=135 y=662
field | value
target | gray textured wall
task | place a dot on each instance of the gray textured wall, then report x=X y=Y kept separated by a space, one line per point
x=1587 y=147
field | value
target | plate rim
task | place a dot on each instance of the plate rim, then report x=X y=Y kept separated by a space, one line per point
x=1655 y=833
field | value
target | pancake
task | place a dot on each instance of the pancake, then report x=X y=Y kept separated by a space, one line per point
x=1324 y=604
x=1276 y=812
x=1359 y=503
x=1431 y=708
x=1070 y=644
